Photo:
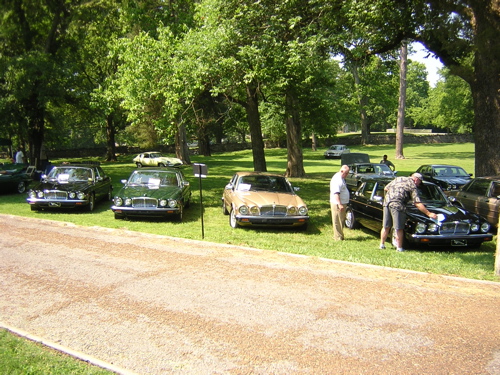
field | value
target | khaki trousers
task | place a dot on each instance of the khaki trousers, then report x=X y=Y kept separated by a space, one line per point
x=338 y=221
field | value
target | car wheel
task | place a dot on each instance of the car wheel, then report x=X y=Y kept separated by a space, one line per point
x=232 y=220
x=350 y=219
x=139 y=165
x=161 y=164
x=224 y=208
x=21 y=187
x=91 y=204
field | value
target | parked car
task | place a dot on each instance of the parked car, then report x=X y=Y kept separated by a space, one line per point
x=360 y=172
x=71 y=185
x=263 y=199
x=336 y=151
x=153 y=193
x=447 y=177
x=13 y=178
x=155 y=159
x=482 y=196
x=455 y=227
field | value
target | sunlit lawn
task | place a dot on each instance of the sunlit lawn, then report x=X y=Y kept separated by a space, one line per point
x=360 y=245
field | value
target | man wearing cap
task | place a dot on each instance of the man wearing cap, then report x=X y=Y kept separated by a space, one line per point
x=398 y=193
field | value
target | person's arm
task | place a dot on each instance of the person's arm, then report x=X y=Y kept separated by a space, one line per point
x=421 y=207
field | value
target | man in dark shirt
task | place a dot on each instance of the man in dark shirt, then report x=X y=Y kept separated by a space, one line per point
x=387 y=162
x=399 y=192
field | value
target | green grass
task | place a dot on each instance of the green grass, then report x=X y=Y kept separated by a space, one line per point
x=360 y=245
x=20 y=356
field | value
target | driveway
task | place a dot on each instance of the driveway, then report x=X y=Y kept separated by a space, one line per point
x=162 y=305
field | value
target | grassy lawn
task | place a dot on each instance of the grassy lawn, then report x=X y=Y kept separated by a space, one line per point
x=360 y=245
x=19 y=356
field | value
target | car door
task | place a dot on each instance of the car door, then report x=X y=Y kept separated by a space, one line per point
x=475 y=197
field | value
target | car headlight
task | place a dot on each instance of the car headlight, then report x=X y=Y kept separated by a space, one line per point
x=254 y=210
x=243 y=210
x=420 y=228
x=172 y=203
x=32 y=194
x=163 y=203
x=474 y=227
x=118 y=201
x=128 y=202
x=303 y=210
x=433 y=228
x=72 y=195
x=485 y=227
x=80 y=195
x=291 y=211
x=40 y=194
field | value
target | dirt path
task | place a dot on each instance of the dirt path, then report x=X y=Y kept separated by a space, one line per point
x=160 y=305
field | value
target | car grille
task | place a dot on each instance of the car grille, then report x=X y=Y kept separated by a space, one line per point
x=454 y=228
x=55 y=194
x=144 y=202
x=273 y=211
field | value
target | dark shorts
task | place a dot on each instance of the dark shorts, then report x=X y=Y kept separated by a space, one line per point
x=394 y=218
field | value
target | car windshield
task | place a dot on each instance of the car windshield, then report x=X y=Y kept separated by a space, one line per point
x=374 y=168
x=336 y=147
x=431 y=194
x=450 y=172
x=154 y=178
x=70 y=174
x=264 y=183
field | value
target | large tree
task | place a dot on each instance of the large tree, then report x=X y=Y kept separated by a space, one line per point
x=465 y=36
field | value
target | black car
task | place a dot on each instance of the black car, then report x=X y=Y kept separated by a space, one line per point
x=447 y=177
x=482 y=196
x=13 y=178
x=153 y=193
x=71 y=185
x=360 y=172
x=455 y=226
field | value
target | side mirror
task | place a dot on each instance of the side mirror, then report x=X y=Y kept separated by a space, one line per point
x=123 y=181
x=395 y=172
x=378 y=198
x=229 y=186
x=186 y=183
x=295 y=188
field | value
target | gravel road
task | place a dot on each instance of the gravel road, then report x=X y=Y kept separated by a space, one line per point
x=161 y=305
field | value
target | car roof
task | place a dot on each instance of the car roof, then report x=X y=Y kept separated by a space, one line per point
x=250 y=173
x=440 y=165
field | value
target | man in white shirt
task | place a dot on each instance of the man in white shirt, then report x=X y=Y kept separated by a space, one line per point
x=339 y=198
x=19 y=156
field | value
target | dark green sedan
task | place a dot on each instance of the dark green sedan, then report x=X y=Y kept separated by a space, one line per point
x=13 y=178
x=153 y=193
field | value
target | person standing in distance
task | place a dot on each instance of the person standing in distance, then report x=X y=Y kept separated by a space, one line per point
x=398 y=193
x=19 y=156
x=339 y=198
x=387 y=162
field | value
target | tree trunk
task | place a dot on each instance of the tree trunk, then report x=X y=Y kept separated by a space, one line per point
x=485 y=89
x=295 y=158
x=314 y=142
x=36 y=127
x=362 y=101
x=181 y=144
x=402 y=101
x=110 y=139
x=253 y=117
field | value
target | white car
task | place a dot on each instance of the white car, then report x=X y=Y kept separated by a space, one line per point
x=336 y=151
x=155 y=159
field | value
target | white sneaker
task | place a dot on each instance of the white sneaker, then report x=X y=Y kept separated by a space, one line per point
x=400 y=249
x=382 y=246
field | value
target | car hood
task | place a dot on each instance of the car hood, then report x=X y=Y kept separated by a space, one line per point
x=74 y=186
x=453 y=180
x=355 y=157
x=264 y=198
x=150 y=191
x=451 y=213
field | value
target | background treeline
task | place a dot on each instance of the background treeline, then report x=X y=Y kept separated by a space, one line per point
x=144 y=73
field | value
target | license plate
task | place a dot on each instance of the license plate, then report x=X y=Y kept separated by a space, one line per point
x=458 y=242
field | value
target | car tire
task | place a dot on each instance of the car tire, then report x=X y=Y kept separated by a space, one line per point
x=91 y=205
x=350 y=219
x=139 y=165
x=21 y=187
x=224 y=208
x=232 y=220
